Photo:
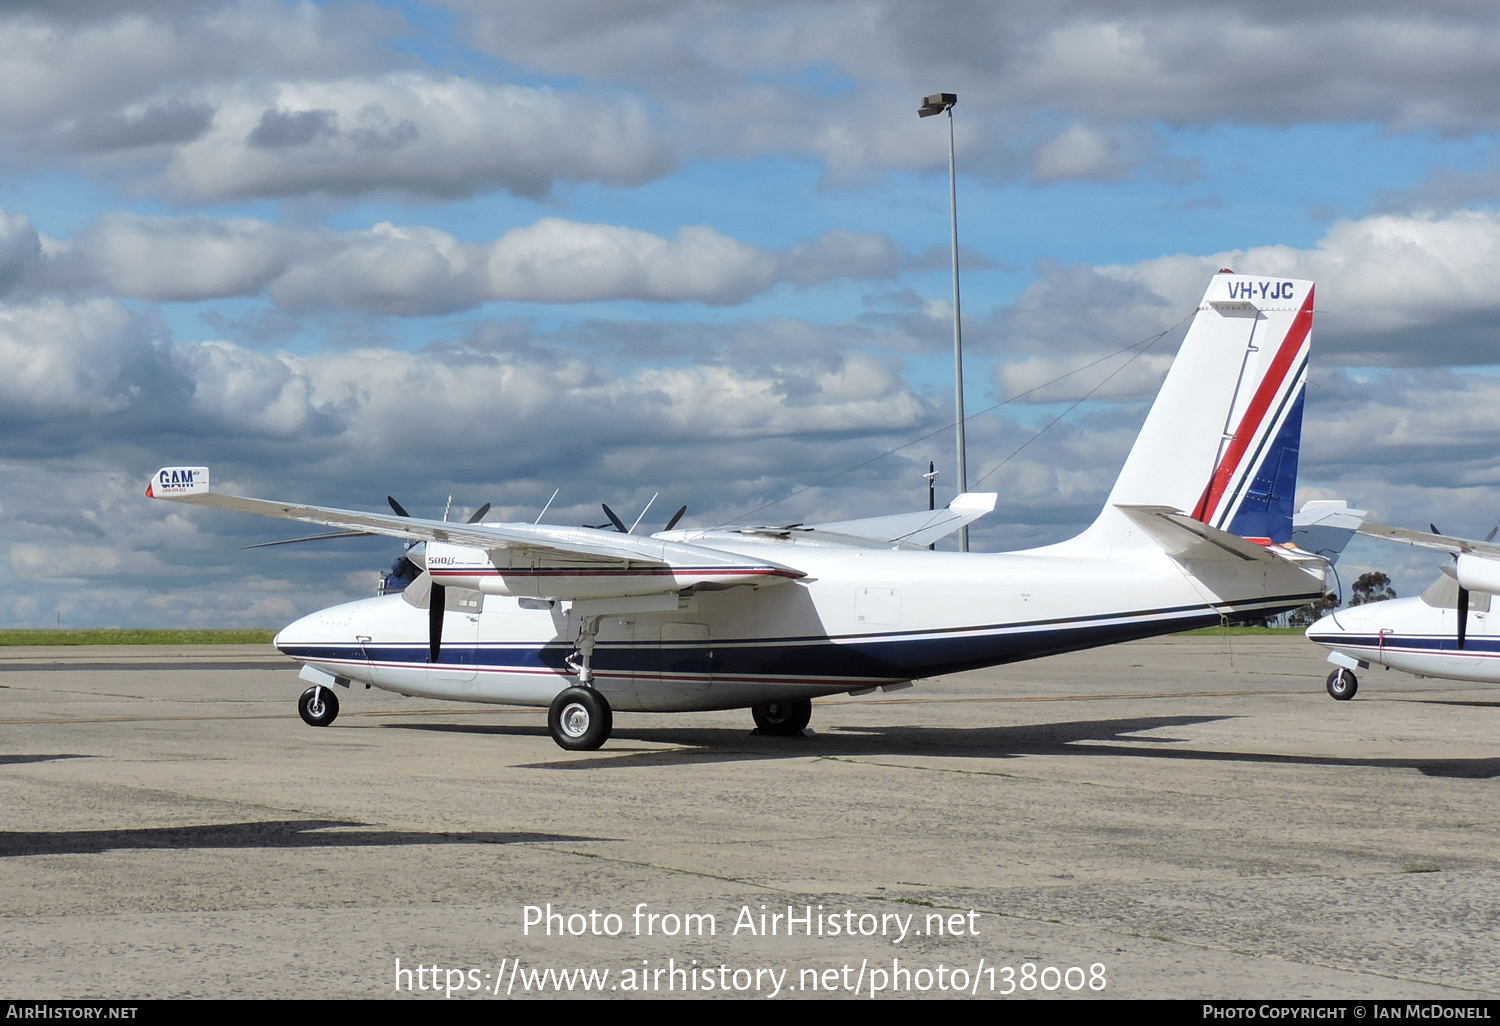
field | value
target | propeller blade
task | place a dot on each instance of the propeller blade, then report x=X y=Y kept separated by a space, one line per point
x=397 y=507
x=675 y=517
x=479 y=513
x=614 y=519
x=435 y=607
x=311 y=537
x=1463 y=615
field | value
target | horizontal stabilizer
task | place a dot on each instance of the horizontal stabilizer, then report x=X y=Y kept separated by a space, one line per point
x=912 y=530
x=1325 y=526
x=1189 y=540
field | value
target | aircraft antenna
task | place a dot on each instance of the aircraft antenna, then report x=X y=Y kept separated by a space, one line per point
x=545 y=508
x=642 y=516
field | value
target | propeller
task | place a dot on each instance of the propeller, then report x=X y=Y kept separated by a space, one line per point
x=614 y=522
x=436 y=605
x=1463 y=597
x=437 y=595
x=619 y=525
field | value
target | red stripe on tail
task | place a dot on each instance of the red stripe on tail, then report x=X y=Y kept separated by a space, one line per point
x=1255 y=413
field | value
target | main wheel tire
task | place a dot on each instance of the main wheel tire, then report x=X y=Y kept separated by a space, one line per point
x=1342 y=684
x=580 y=719
x=782 y=719
x=318 y=705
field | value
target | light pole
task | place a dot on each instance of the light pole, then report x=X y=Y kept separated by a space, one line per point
x=939 y=103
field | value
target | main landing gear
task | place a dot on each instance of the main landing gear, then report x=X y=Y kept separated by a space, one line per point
x=1342 y=684
x=580 y=719
x=782 y=719
x=318 y=706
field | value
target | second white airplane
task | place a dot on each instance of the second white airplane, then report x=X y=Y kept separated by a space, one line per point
x=1449 y=631
x=584 y=622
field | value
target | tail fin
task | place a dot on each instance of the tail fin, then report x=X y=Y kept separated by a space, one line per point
x=1221 y=441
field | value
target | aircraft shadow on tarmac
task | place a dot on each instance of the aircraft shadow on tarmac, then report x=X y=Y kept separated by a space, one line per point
x=1110 y=738
x=16 y=760
x=294 y=833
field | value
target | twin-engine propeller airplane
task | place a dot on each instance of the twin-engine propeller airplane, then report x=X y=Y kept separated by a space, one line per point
x=1196 y=531
x=1448 y=631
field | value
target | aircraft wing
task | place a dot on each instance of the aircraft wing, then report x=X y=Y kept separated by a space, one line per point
x=911 y=530
x=575 y=546
x=1441 y=542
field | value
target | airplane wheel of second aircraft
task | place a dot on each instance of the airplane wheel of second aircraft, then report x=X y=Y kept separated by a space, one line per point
x=580 y=719
x=1342 y=684
x=318 y=706
x=782 y=719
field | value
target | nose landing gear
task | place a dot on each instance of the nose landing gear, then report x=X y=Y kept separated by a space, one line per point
x=318 y=706
x=1342 y=684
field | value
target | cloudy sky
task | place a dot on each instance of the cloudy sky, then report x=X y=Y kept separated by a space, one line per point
x=620 y=247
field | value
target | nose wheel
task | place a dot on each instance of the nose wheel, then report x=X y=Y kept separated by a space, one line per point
x=1342 y=684
x=580 y=719
x=318 y=706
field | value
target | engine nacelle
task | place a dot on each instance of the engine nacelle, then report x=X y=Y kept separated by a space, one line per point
x=1477 y=573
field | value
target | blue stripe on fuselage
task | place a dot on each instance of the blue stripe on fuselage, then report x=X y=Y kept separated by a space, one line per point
x=897 y=656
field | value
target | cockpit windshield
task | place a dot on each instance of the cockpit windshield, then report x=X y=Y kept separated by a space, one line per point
x=1443 y=594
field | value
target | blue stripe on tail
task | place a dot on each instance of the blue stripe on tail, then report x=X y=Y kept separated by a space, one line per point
x=1266 y=511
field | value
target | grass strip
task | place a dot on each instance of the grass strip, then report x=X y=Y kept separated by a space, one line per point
x=124 y=636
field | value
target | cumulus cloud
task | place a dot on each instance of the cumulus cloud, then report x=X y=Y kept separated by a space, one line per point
x=264 y=98
x=1089 y=153
x=415 y=133
x=63 y=65
x=1412 y=289
x=847 y=74
x=411 y=270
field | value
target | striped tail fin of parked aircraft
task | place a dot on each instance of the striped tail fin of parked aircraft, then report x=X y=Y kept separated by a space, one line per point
x=1451 y=630
x=1196 y=530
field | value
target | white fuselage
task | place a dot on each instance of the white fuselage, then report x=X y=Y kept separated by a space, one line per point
x=860 y=618
x=1411 y=635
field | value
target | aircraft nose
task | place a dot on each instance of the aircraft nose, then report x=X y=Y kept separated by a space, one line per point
x=312 y=629
x=1322 y=629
